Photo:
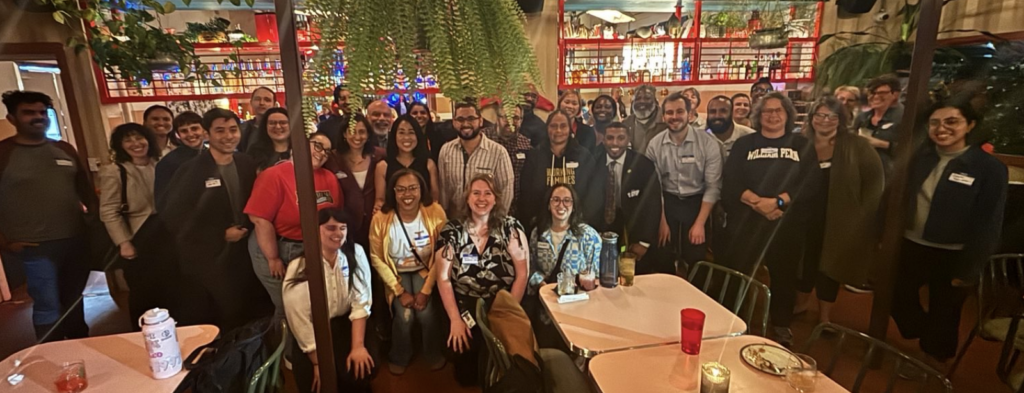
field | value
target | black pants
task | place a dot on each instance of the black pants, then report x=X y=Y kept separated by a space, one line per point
x=811 y=276
x=467 y=364
x=544 y=328
x=341 y=332
x=778 y=246
x=681 y=212
x=938 y=327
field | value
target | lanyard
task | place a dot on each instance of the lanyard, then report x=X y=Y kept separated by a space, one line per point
x=412 y=247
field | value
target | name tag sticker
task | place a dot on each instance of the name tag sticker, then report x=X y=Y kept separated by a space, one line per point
x=632 y=193
x=211 y=183
x=341 y=175
x=65 y=163
x=961 y=178
x=520 y=156
x=688 y=160
x=468 y=319
x=470 y=259
x=887 y=126
x=572 y=164
x=421 y=240
x=825 y=165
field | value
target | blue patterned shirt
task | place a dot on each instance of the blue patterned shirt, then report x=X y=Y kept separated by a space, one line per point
x=583 y=254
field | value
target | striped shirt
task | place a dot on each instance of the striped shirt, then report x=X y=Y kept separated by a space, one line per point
x=517 y=146
x=456 y=167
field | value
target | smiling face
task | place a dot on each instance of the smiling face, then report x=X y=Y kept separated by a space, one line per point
x=192 y=135
x=603 y=110
x=561 y=204
x=277 y=127
x=691 y=95
x=405 y=137
x=616 y=141
x=740 y=107
x=136 y=145
x=948 y=129
x=224 y=135
x=759 y=90
x=333 y=234
x=773 y=116
x=676 y=115
x=644 y=104
x=380 y=117
x=848 y=99
x=882 y=97
x=558 y=130
x=825 y=121
x=357 y=138
x=719 y=116
x=31 y=119
x=467 y=122
x=319 y=147
x=570 y=103
x=160 y=121
x=419 y=112
x=407 y=193
x=481 y=198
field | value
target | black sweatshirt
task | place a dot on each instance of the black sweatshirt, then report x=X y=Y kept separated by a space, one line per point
x=543 y=170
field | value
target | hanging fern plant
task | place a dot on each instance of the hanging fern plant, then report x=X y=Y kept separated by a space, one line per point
x=474 y=48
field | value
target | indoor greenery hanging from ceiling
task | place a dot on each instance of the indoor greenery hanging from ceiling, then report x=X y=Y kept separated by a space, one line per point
x=474 y=48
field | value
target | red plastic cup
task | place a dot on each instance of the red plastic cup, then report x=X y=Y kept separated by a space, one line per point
x=693 y=330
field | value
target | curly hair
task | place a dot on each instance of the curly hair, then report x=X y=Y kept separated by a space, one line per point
x=575 y=217
x=131 y=129
x=390 y=197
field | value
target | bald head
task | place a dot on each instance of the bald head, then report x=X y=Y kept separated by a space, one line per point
x=380 y=117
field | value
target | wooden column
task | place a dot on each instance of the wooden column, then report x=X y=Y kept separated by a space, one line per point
x=895 y=217
x=290 y=62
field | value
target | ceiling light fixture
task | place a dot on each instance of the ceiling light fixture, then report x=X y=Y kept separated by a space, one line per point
x=611 y=16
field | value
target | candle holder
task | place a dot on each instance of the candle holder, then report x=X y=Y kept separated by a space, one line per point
x=714 y=378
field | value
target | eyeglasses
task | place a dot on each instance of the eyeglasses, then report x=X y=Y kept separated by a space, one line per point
x=319 y=147
x=878 y=93
x=277 y=123
x=826 y=116
x=567 y=202
x=466 y=119
x=517 y=118
x=335 y=227
x=403 y=190
x=951 y=122
x=760 y=90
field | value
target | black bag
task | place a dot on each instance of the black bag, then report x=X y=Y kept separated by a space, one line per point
x=522 y=377
x=229 y=362
x=104 y=254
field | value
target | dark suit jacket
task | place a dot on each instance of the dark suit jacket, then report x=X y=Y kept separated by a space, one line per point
x=640 y=193
x=166 y=168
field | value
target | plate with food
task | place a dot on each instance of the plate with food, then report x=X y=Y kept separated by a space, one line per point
x=768 y=358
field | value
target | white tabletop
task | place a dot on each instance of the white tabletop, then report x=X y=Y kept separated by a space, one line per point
x=667 y=369
x=645 y=314
x=115 y=363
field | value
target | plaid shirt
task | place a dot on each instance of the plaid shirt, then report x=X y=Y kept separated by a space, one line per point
x=517 y=146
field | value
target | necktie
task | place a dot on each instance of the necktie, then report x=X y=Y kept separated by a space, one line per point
x=609 y=194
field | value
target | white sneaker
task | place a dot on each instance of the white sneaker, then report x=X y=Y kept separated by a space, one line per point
x=860 y=290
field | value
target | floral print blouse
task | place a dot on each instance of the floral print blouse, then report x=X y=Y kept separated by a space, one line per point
x=493 y=270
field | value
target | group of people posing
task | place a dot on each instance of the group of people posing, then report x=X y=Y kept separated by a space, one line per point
x=420 y=219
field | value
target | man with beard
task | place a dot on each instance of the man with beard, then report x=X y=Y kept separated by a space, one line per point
x=189 y=128
x=632 y=195
x=722 y=126
x=533 y=126
x=262 y=99
x=43 y=237
x=689 y=162
x=470 y=155
x=381 y=116
x=604 y=109
x=203 y=213
x=759 y=89
x=335 y=123
x=645 y=122
x=515 y=143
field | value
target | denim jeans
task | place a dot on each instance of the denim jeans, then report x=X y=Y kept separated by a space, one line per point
x=286 y=251
x=56 y=272
x=401 y=328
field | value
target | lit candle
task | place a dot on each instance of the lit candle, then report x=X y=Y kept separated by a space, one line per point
x=714 y=378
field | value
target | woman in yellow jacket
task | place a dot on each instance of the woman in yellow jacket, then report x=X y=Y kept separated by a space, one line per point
x=402 y=240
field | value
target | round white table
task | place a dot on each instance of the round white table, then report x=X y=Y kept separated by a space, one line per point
x=114 y=363
x=667 y=369
x=645 y=314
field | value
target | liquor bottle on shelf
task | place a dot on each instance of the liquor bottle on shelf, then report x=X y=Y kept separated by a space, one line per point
x=685 y=69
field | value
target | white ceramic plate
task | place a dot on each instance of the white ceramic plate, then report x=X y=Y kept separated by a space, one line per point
x=768 y=358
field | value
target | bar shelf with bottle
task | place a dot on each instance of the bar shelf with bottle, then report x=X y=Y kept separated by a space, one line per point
x=670 y=42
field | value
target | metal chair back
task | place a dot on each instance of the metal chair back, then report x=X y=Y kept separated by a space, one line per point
x=267 y=378
x=497 y=361
x=1004 y=272
x=876 y=351
x=740 y=293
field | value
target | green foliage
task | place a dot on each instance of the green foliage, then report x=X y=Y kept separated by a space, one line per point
x=216 y=25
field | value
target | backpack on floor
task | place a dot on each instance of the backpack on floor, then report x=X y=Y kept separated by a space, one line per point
x=227 y=363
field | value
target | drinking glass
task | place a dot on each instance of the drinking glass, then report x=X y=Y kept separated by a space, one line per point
x=693 y=330
x=627 y=268
x=71 y=377
x=802 y=377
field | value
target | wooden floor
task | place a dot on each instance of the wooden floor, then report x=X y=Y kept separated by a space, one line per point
x=106 y=315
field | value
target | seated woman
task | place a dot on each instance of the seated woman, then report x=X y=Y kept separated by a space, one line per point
x=561 y=244
x=347 y=280
x=478 y=255
x=402 y=239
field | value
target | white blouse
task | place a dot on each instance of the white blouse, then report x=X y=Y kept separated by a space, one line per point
x=341 y=299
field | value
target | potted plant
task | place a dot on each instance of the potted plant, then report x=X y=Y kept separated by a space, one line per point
x=719 y=24
x=772 y=31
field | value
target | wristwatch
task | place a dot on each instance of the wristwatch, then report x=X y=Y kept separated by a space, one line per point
x=781 y=202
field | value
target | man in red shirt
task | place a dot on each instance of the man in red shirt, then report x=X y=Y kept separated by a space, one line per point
x=274 y=209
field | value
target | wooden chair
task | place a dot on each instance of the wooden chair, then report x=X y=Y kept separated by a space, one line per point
x=740 y=293
x=876 y=351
